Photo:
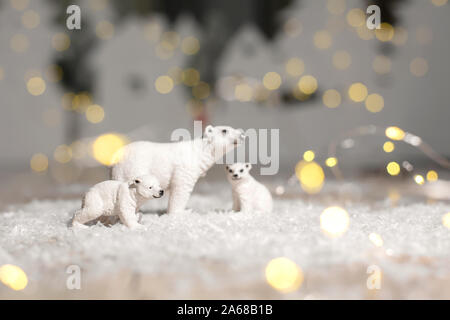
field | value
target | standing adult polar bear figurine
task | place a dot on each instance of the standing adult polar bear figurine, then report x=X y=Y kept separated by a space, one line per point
x=177 y=165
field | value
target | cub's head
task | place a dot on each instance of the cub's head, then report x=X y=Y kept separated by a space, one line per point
x=238 y=171
x=223 y=138
x=147 y=186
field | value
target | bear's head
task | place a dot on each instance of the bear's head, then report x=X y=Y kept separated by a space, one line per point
x=238 y=171
x=147 y=187
x=223 y=138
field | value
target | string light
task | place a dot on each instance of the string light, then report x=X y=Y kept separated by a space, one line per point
x=104 y=30
x=385 y=32
x=356 y=17
x=36 y=86
x=63 y=154
x=95 y=113
x=308 y=155
x=311 y=176
x=374 y=103
x=190 y=45
x=388 y=146
x=331 y=98
x=419 y=179
x=295 y=67
x=446 y=220
x=331 y=162
x=395 y=133
x=432 y=176
x=61 y=42
x=322 y=39
x=393 y=168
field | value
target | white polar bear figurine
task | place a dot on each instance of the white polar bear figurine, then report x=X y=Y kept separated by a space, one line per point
x=177 y=165
x=248 y=194
x=116 y=198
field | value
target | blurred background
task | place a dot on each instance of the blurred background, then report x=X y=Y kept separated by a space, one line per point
x=140 y=69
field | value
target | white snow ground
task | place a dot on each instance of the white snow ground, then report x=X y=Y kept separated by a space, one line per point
x=213 y=253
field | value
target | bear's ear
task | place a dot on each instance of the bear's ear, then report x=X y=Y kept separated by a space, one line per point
x=248 y=166
x=133 y=183
x=209 y=132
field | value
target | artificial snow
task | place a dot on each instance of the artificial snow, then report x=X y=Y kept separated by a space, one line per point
x=211 y=252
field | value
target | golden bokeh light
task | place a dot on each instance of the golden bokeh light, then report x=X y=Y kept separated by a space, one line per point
x=307 y=84
x=30 y=19
x=95 y=113
x=331 y=162
x=272 y=80
x=374 y=102
x=376 y=239
x=39 y=162
x=190 y=45
x=311 y=176
x=393 y=168
x=19 y=5
x=336 y=6
x=243 y=92
x=341 y=60
x=419 y=179
x=36 y=86
x=61 y=42
x=295 y=67
x=357 y=92
x=356 y=17
x=63 y=154
x=322 y=39
x=98 y=5
x=418 y=67
x=104 y=30
x=385 y=33
x=394 y=133
x=382 y=64
x=446 y=220
x=190 y=77
x=284 y=275
x=432 y=176
x=164 y=84
x=309 y=155
x=439 y=3
x=13 y=277
x=334 y=221
x=79 y=149
x=108 y=148
x=331 y=98
x=19 y=43
x=201 y=90
x=260 y=93
x=388 y=146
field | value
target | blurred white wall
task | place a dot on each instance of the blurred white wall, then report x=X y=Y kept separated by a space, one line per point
x=419 y=105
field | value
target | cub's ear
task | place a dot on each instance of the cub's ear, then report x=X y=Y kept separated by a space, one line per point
x=248 y=166
x=209 y=132
x=133 y=183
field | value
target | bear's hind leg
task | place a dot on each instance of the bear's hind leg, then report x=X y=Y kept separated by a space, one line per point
x=85 y=215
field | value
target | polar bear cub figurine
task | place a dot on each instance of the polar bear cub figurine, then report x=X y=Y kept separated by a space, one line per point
x=249 y=195
x=116 y=198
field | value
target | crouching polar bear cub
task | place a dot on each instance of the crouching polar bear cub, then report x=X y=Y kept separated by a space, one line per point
x=177 y=165
x=249 y=195
x=116 y=198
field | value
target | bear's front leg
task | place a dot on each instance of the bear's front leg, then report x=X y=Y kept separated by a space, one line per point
x=180 y=191
x=236 y=202
x=129 y=218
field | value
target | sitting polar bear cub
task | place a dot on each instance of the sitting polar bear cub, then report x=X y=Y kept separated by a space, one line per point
x=177 y=165
x=115 y=198
x=248 y=194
